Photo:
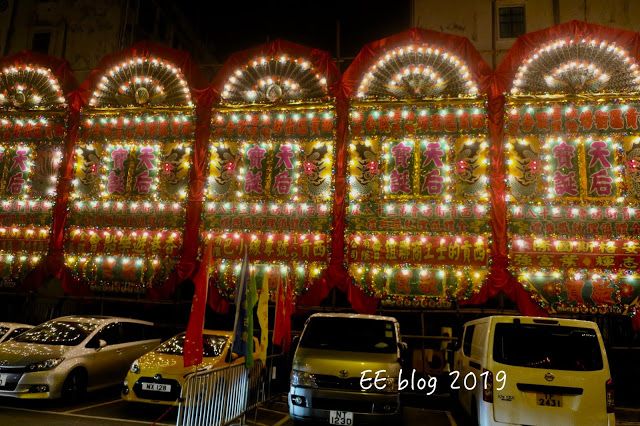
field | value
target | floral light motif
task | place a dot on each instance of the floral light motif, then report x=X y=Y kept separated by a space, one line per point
x=275 y=79
x=28 y=86
x=141 y=82
x=417 y=72
x=577 y=66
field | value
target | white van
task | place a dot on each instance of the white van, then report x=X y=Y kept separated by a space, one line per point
x=533 y=371
x=334 y=354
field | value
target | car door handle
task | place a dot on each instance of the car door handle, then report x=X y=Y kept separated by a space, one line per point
x=475 y=365
x=119 y=351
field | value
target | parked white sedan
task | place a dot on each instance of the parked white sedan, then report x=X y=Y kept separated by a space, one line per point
x=9 y=330
x=68 y=356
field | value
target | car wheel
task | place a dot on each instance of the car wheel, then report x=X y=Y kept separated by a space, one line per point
x=74 y=387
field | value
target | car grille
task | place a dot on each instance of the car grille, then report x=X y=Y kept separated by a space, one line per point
x=342 y=405
x=13 y=370
x=333 y=382
x=11 y=382
x=157 y=396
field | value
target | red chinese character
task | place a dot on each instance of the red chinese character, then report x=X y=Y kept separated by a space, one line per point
x=283 y=182
x=16 y=183
x=400 y=182
x=20 y=160
x=115 y=183
x=146 y=157
x=434 y=153
x=601 y=183
x=143 y=182
x=565 y=183
x=599 y=153
x=118 y=156
x=401 y=154
x=256 y=155
x=433 y=183
x=284 y=157
x=253 y=182
x=564 y=154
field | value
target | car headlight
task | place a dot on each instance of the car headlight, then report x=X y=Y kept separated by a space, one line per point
x=302 y=378
x=44 y=365
x=135 y=367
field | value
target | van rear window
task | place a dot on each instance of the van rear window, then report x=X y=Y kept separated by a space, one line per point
x=350 y=334
x=547 y=346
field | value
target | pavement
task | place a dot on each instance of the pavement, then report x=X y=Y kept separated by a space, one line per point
x=105 y=408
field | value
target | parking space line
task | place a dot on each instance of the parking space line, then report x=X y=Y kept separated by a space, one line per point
x=452 y=421
x=113 y=419
x=88 y=407
x=282 y=421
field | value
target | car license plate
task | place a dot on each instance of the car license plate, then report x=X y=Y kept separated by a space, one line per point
x=156 y=387
x=3 y=379
x=549 y=400
x=341 y=418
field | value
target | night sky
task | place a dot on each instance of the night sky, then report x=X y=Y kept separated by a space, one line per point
x=236 y=25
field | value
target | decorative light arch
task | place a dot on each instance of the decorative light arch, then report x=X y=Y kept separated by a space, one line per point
x=26 y=86
x=570 y=66
x=417 y=71
x=142 y=81
x=271 y=79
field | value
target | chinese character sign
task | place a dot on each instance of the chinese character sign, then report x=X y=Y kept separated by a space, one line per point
x=432 y=170
x=600 y=169
x=565 y=178
x=400 y=161
x=285 y=161
x=15 y=170
x=255 y=175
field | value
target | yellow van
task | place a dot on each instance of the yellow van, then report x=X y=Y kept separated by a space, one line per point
x=335 y=366
x=512 y=370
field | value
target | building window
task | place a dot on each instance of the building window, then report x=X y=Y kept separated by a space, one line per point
x=511 y=21
x=40 y=42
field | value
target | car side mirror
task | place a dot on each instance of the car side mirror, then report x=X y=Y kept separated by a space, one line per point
x=234 y=356
x=295 y=342
x=454 y=345
x=403 y=348
x=101 y=344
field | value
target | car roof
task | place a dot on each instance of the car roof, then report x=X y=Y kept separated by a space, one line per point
x=226 y=333
x=535 y=320
x=14 y=325
x=100 y=319
x=361 y=316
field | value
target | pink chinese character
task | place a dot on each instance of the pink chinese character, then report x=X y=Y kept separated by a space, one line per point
x=601 y=183
x=284 y=157
x=256 y=155
x=118 y=156
x=16 y=183
x=143 y=182
x=599 y=153
x=283 y=182
x=253 y=182
x=400 y=182
x=20 y=160
x=564 y=154
x=434 y=153
x=433 y=183
x=146 y=157
x=115 y=183
x=401 y=154
x=565 y=183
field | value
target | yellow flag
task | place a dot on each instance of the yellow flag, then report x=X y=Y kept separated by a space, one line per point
x=263 y=318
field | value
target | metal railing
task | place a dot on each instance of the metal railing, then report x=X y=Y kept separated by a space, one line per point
x=220 y=396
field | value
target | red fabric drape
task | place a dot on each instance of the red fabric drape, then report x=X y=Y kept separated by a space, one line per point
x=193 y=338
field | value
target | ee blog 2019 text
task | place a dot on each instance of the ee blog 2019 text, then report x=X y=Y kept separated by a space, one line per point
x=379 y=380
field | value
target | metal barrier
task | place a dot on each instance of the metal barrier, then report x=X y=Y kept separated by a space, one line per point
x=220 y=396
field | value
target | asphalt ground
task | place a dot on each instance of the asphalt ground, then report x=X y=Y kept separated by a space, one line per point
x=107 y=409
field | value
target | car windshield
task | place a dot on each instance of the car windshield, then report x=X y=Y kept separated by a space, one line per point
x=350 y=334
x=3 y=331
x=547 y=346
x=213 y=345
x=67 y=333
